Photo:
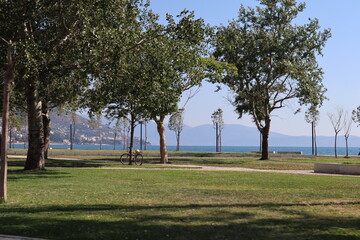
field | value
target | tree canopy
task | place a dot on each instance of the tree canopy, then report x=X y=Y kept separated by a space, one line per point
x=275 y=58
x=148 y=80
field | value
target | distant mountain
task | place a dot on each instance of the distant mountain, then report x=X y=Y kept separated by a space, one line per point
x=203 y=135
x=239 y=135
x=84 y=134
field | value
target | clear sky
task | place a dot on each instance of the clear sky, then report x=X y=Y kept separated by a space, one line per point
x=340 y=63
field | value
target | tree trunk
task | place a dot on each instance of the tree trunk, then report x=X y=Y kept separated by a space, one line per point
x=347 y=146
x=260 y=144
x=46 y=124
x=100 y=137
x=220 y=140
x=124 y=140
x=114 y=140
x=145 y=146
x=132 y=130
x=35 y=155
x=161 y=130
x=71 y=137
x=312 y=139
x=8 y=79
x=217 y=137
x=315 y=142
x=336 y=145
x=265 y=139
x=141 y=136
x=178 y=141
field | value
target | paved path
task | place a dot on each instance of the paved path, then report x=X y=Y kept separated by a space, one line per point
x=203 y=168
x=176 y=167
x=7 y=237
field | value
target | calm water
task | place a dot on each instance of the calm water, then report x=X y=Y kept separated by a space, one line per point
x=304 y=150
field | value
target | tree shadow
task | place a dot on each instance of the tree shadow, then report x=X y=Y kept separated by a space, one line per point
x=53 y=162
x=205 y=221
x=20 y=174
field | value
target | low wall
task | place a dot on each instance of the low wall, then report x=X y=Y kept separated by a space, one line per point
x=337 y=168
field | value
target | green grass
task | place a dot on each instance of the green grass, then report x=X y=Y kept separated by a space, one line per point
x=284 y=163
x=82 y=203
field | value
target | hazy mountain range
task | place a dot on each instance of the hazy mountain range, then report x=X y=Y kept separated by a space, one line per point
x=203 y=135
x=239 y=135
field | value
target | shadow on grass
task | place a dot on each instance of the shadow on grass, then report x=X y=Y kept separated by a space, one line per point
x=101 y=162
x=76 y=163
x=234 y=221
x=21 y=174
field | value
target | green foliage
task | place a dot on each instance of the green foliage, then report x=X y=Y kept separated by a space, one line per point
x=356 y=115
x=217 y=117
x=148 y=79
x=176 y=121
x=312 y=115
x=276 y=60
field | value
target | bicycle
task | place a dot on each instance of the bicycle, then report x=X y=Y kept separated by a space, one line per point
x=137 y=158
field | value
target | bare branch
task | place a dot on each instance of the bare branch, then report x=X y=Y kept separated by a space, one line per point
x=190 y=96
x=337 y=120
x=4 y=40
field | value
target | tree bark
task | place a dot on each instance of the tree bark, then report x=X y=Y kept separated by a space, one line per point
x=217 y=137
x=312 y=139
x=114 y=140
x=336 y=145
x=178 y=141
x=161 y=130
x=8 y=79
x=132 y=130
x=71 y=137
x=347 y=146
x=315 y=141
x=100 y=137
x=265 y=139
x=220 y=140
x=46 y=123
x=35 y=155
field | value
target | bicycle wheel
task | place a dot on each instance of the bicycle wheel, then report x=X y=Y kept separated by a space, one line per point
x=124 y=158
x=139 y=159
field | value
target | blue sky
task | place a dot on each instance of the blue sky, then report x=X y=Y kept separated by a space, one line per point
x=340 y=63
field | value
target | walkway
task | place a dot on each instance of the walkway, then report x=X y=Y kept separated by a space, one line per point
x=176 y=167
x=7 y=237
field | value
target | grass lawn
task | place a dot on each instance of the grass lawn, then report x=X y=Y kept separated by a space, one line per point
x=81 y=203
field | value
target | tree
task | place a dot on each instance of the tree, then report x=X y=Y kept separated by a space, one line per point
x=176 y=123
x=8 y=80
x=148 y=80
x=312 y=117
x=276 y=61
x=177 y=55
x=125 y=129
x=38 y=31
x=217 y=118
x=72 y=129
x=337 y=121
x=347 y=130
x=57 y=45
x=356 y=115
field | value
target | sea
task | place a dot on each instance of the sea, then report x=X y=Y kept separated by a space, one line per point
x=240 y=149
